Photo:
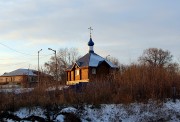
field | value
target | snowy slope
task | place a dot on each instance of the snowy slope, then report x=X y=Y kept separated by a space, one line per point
x=135 y=112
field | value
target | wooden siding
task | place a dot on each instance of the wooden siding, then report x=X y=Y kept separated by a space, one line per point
x=72 y=75
x=18 y=79
x=101 y=72
x=69 y=76
x=103 y=69
x=76 y=82
x=84 y=74
x=77 y=77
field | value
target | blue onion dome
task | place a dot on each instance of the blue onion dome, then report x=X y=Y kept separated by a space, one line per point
x=90 y=43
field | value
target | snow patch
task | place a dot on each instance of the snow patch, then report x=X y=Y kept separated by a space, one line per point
x=56 y=88
x=69 y=110
x=16 y=90
x=60 y=118
x=25 y=112
x=173 y=105
x=135 y=112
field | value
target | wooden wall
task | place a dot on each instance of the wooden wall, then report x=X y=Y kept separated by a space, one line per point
x=78 y=77
x=101 y=72
x=72 y=75
x=83 y=74
x=22 y=79
x=16 y=79
x=69 y=76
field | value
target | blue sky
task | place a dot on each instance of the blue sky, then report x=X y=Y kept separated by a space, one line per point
x=122 y=28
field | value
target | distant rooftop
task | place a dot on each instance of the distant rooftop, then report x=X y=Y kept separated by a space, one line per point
x=19 y=72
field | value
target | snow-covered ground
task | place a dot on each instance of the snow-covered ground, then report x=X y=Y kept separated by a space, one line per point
x=13 y=88
x=57 y=88
x=135 y=112
x=18 y=90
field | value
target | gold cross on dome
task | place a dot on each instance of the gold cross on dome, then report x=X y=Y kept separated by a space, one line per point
x=90 y=29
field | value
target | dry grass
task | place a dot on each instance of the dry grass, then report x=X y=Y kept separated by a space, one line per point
x=128 y=84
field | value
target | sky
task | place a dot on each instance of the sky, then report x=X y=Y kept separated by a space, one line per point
x=121 y=29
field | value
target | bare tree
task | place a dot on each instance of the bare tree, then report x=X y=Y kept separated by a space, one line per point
x=114 y=60
x=65 y=58
x=156 y=57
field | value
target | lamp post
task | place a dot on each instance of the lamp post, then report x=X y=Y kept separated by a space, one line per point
x=38 y=64
x=56 y=62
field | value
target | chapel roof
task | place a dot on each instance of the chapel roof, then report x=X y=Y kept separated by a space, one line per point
x=92 y=60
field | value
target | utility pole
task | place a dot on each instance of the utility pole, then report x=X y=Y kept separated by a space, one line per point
x=38 y=66
x=56 y=62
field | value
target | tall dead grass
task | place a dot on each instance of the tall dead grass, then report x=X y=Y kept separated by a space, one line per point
x=126 y=85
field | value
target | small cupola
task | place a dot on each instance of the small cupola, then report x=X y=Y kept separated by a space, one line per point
x=91 y=43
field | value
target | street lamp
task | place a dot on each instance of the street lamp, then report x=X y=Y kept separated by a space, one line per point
x=56 y=62
x=38 y=64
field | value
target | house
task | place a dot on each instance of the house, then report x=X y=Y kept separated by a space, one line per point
x=89 y=67
x=19 y=76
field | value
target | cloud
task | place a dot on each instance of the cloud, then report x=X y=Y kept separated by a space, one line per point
x=121 y=28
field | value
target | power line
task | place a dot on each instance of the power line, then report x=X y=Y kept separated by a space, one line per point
x=30 y=58
x=21 y=52
x=12 y=64
x=15 y=50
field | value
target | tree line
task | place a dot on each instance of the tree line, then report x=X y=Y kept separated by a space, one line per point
x=151 y=57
